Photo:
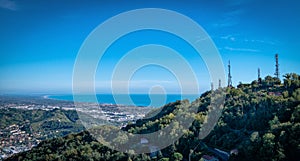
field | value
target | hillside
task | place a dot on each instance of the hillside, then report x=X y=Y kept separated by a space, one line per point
x=260 y=120
x=46 y=124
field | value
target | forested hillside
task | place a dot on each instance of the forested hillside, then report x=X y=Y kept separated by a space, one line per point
x=47 y=124
x=260 y=120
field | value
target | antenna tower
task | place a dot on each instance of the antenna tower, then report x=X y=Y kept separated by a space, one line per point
x=277 y=66
x=229 y=75
x=258 y=76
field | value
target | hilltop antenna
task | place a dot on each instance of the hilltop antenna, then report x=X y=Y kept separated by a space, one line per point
x=258 y=76
x=212 y=86
x=220 y=86
x=229 y=75
x=277 y=66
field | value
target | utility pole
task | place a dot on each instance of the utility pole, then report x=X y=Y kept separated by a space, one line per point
x=229 y=75
x=276 y=66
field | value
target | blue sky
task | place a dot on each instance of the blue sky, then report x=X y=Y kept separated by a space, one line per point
x=40 y=40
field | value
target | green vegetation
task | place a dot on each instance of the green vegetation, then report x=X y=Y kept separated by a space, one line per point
x=261 y=120
x=47 y=124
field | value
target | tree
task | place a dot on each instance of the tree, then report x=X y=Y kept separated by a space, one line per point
x=268 y=146
x=296 y=95
x=177 y=156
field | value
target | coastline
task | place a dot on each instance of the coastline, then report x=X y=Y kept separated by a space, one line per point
x=144 y=100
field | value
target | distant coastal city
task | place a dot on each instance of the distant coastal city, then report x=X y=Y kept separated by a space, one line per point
x=27 y=120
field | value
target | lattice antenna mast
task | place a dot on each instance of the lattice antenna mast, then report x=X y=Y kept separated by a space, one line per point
x=220 y=85
x=277 y=66
x=258 y=76
x=229 y=75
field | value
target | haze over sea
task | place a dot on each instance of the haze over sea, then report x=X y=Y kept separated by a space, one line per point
x=153 y=100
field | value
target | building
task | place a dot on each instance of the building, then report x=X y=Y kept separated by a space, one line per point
x=209 y=158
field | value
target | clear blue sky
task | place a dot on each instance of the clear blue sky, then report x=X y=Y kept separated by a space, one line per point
x=40 y=40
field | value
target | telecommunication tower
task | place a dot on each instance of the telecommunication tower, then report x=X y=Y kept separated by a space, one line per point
x=258 y=76
x=229 y=75
x=276 y=66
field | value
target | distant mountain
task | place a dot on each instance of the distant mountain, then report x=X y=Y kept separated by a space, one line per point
x=260 y=121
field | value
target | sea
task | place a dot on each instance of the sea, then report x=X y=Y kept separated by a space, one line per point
x=153 y=100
